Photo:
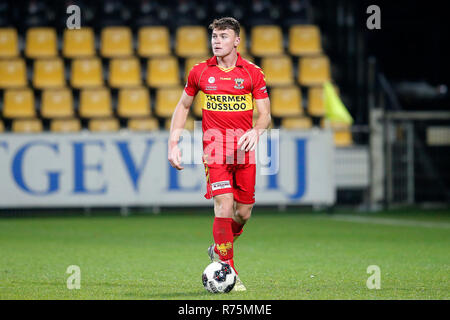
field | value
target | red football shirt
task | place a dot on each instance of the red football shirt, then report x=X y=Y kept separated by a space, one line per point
x=227 y=101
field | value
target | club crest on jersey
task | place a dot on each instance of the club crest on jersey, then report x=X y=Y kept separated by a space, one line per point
x=239 y=82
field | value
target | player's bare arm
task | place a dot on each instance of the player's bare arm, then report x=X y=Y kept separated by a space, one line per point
x=176 y=126
x=249 y=140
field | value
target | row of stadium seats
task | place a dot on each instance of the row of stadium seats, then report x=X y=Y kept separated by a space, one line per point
x=57 y=106
x=157 y=72
x=342 y=133
x=129 y=65
x=190 y=41
x=136 y=102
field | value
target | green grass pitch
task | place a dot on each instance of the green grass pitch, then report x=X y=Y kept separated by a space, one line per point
x=290 y=255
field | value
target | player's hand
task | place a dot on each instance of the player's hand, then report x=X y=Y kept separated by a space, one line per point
x=174 y=156
x=249 y=140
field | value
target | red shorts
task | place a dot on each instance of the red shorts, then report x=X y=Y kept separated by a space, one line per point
x=238 y=179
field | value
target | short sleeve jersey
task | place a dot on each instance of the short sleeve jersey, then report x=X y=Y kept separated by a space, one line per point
x=227 y=100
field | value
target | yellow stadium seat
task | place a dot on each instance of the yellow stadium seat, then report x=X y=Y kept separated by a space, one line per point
x=166 y=101
x=95 y=103
x=316 y=102
x=124 y=72
x=134 y=102
x=297 y=123
x=19 y=103
x=313 y=70
x=190 y=63
x=191 y=41
x=153 y=41
x=41 y=42
x=143 y=124
x=65 y=125
x=27 y=126
x=266 y=40
x=163 y=72
x=13 y=73
x=189 y=125
x=341 y=132
x=242 y=47
x=278 y=70
x=78 y=43
x=86 y=73
x=48 y=73
x=104 y=125
x=9 y=47
x=343 y=138
x=57 y=103
x=286 y=101
x=116 y=42
x=304 y=40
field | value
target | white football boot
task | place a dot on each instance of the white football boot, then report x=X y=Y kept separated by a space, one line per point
x=239 y=285
x=213 y=256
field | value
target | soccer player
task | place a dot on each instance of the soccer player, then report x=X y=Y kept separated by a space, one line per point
x=230 y=85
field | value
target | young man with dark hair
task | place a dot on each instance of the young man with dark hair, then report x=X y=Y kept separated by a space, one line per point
x=230 y=85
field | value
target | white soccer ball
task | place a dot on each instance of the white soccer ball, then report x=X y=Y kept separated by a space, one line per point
x=219 y=277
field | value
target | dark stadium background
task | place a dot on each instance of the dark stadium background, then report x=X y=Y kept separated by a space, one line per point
x=408 y=53
x=388 y=171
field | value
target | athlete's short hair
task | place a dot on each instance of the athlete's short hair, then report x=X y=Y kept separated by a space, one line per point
x=226 y=23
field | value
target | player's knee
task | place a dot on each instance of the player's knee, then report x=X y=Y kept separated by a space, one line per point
x=223 y=207
x=243 y=213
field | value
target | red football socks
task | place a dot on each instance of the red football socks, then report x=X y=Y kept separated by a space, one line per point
x=237 y=228
x=223 y=238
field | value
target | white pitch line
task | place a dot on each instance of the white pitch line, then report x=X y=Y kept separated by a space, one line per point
x=389 y=221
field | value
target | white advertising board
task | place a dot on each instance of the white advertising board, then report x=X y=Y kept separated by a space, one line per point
x=130 y=169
